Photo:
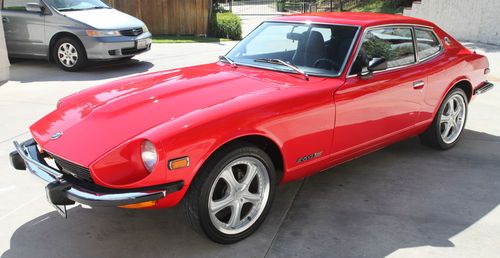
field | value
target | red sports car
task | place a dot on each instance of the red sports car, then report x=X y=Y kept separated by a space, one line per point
x=299 y=95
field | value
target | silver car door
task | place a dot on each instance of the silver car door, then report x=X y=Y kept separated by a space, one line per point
x=24 y=31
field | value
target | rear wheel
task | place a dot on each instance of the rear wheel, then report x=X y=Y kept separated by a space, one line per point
x=232 y=195
x=69 y=54
x=448 y=125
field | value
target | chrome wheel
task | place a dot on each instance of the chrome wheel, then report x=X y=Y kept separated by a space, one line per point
x=67 y=55
x=239 y=195
x=453 y=119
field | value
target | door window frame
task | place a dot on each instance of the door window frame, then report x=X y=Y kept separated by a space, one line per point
x=415 y=47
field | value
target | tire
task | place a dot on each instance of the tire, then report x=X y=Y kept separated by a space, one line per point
x=210 y=188
x=436 y=135
x=69 y=54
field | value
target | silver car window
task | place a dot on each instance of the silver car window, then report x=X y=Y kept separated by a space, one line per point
x=16 y=5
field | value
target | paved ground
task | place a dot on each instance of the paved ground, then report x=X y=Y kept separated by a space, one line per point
x=403 y=201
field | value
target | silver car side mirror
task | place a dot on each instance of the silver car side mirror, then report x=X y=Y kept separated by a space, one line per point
x=33 y=8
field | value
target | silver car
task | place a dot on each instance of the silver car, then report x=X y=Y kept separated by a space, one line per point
x=71 y=32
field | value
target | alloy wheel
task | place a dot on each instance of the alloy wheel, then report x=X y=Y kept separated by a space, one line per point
x=239 y=195
x=453 y=119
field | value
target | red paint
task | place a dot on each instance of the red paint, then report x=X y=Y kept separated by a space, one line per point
x=193 y=111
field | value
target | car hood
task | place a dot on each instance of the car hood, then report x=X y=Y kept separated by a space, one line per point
x=96 y=120
x=105 y=19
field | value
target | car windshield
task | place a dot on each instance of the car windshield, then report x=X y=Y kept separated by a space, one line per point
x=76 y=5
x=314 y=49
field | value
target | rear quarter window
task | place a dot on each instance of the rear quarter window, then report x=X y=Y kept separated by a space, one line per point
x=427 y=43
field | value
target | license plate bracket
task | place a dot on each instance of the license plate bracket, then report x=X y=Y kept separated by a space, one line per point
x=61 y=209
x=142 y=43
x=57 y=198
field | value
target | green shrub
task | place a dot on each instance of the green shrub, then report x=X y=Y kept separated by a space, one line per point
x=378 y=48
x=226 y=25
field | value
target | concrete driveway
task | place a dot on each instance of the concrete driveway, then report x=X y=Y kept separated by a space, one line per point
x=403 y=201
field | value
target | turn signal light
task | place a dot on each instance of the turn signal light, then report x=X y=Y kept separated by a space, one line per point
x=178 y=163
x=139 y=205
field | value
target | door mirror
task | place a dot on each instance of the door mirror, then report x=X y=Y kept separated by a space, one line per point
x=377 y=64
x=33 y=8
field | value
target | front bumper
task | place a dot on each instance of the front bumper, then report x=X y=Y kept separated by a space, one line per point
x=63 y=189
x=109 y=48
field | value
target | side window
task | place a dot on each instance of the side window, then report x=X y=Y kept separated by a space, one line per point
x=16 y=5
x=393 y=44
x=427 y=43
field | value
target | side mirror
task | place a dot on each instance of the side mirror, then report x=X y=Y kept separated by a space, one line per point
x=33 y=8
x=377 y=64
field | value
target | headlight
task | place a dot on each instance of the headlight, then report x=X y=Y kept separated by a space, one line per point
x=103 y=33
x=145 y=29
x=149 y=155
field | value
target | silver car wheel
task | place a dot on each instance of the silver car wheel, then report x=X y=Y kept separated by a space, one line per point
x=453 y=119
x=67 y=54
x=239 y=195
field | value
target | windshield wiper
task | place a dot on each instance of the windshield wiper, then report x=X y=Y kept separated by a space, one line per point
x=227 y=59
x=98 y=7
x=81 y=9
x=281 y=62
x=68 y=9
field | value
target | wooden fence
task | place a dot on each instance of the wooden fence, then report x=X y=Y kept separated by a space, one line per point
x=174 y=17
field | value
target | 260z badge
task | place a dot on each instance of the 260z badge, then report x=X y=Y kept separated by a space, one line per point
x=310 y=156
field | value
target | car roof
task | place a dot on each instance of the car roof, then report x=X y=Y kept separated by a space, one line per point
x=353 y=18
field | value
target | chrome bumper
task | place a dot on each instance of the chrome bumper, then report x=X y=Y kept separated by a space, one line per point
x=61 y=190
x=484 y=87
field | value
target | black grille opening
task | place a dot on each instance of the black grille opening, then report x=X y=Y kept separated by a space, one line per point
x=132 y=51
x=132 y=32
x=72 y=169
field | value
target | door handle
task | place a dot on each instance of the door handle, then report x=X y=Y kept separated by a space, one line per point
x=418 y=85
x=5 y=20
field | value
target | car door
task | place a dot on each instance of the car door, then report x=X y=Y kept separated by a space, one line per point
x=24 y=31
x=380 y=107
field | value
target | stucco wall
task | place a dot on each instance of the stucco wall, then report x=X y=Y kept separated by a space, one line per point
x=469 y=20
x=4 y=61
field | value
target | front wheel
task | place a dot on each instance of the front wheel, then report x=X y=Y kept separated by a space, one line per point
x=232 y=194
x=69 y=54
x=447 y=127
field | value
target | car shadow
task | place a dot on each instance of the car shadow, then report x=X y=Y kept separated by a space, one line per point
x=25 y=71
x=114 y=232
x=406 y=195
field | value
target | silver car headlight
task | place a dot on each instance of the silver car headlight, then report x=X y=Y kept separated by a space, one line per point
x=103 y=33
x=149 y=155
x=145 y=29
